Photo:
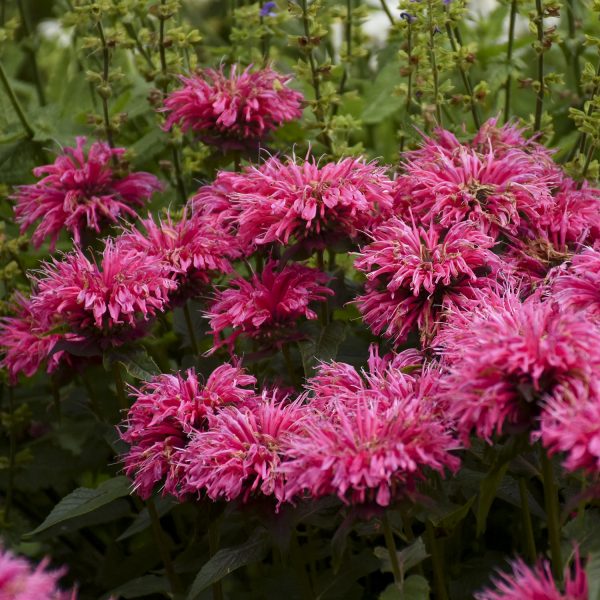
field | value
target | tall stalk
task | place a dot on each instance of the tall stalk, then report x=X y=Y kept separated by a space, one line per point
x=552 y=513
x=391 y=548
x=509 y=56
x=437 y=561
x=37 y=80
x=526 y=517
x=15 y=102
x=539 y=101
x=120 y=386
x=104 y=90
x=12 y=455
x=434 y=69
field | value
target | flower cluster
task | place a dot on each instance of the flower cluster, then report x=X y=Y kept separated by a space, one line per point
x=81 y=192
x=21 y=581
x=233 y=111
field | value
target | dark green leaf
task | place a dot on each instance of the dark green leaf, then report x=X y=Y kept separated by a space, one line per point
x=85 y=500
x=228 y=560
x=323 y=346
x=593 y=575
x=141 y=587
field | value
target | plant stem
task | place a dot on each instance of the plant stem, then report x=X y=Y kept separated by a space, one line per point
x=509 y=55
x=161 y=542
x=190 y=328
x=32 y=58
x=539 y=102
x=436 y=559
x=12 y=455
x=588 y=159
x=105 y=84
x=180 y=184
x=575 y=56
x=120 y=386
x=387 y=11
x=348 y=33
x=391 y=548
x=213 y=548
x=464 y=75
x=552 y=513
x=434 y=69
x=285 y=351
x=527 y=526
x=15 y=102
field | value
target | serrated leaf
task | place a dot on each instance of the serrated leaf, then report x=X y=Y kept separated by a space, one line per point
x=227 y=560
x=450 y=515
x=416 y=587
x=408 y=557
x=487 y=492
x=141 y=587
x=137 y=362
x=83 y=501
x=323 y=346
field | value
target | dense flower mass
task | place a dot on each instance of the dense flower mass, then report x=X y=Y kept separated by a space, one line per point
x=21 y=581
x=537 y=583
x=192 y=248
x=233 y=111
x=167 y=411
x=81 y=191
x=268 y=305
x=240 y=453
x=415 y=273
x=373 y=440
x=280 y=201
x=506 y=359
x=109 y=301
x=491 y=185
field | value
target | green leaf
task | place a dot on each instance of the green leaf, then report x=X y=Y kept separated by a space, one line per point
x=323 y=346
x=356 y=567
x=227 y=560
x=85 y=500
x=137 y=362
x=593 y=576
x=408 y=557
x=415 y=587
x=141 y=587
x=487 y=492
x=449 y=515
x=380 y=100
x=142 y=520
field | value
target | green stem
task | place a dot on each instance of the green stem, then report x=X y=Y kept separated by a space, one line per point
x=120 y=386
x=106 y=85
x=552 y=513
x=190 y=328
x=437 y=561
x=387 y=11
x=15 y=102
x=527 y=526
x=161 y=542
x=434 y=69
x=32 y=58
x=464 y=75
x=539 y=102
x=285 y=351
x=575 y=66
x=509 y=55
x=213 y=548
x=12 y=455
x=588 y=159
x=348 y=32
x=391 y=548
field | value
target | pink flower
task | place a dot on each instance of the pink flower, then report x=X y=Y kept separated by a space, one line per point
x=81 y=192
x=305 y=202
x=579 y=286
x=496 y=190
x=19 y=580
x=192 y=248
x=375 y=440
x=235 y=111
x=537 y=583
x=506 y=359
x=241 y=451
x=269 y=305
x=570 y=424
x=25 y=345
x=414 y=274
x=166 y=412
x=108 y=302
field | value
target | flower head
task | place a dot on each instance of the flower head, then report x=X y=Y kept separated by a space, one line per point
x=311 y=203
x=537 y=583
x=25 y=345
x=368 y=446
x=19 y=580
x=81 y=191
x=108 y=302
x=166 y=412
x=414 y=274
x=234 y=111
x=267 y=306
x=192 y=248
x=240 y=452
x=579 y=286
x=570 y=424
x=506 y=359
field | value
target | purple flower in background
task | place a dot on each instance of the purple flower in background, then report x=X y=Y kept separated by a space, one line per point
x=408 y=17
x=267 y=9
